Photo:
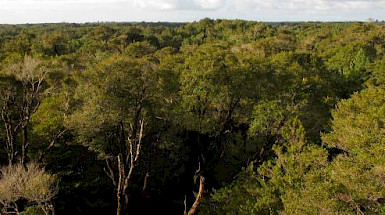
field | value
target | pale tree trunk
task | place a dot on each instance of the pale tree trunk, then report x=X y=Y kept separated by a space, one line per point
x=126 y=163
x=120 y=205
x=32 y=96
x=31 y=78
x=122 y=200
x=24 y=144
x=10 y=147
x=9 y=126
x=10 y=143
x=198 y=198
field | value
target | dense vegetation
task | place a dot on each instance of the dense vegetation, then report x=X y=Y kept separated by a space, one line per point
x=264 y=118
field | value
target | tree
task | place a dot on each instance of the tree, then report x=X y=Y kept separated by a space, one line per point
x=139 y=49
x=214 y=106
x=51 y=44
x=10 y=97
x=276 y=185
x=357 y=130
x=116 y=96
x=128 y=36
x=22 y=93
x=31 y=183
x=48 y=123
x=21 y=44
x=210 y=94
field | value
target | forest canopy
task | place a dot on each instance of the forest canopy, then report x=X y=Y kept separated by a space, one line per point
x=208 y=117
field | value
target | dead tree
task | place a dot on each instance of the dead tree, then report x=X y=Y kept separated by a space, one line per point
x=126 y=162
x=7 y=102
x=22 y=91
x=32 y=75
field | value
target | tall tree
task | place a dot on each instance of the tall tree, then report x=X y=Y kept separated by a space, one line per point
x=358 y=130
x=116 y=96
x=274 y=187
x=21 y=98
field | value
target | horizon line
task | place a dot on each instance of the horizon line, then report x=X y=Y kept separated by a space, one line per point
x=181 y=22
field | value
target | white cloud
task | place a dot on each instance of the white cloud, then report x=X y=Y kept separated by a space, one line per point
x=311 y=4
x=21 y=11
x=180 y=4
x=210 y=4
x=156 y=4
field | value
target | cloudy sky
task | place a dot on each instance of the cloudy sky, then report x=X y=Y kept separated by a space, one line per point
x=38 y=11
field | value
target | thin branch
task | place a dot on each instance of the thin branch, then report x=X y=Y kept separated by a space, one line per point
x=185 y=205
x=121 y=168
x=145 y=181
x=56 y=137
x=199 y=168
x=52 y=143
x=110 y=172
x=130 y=144
x=139 y=141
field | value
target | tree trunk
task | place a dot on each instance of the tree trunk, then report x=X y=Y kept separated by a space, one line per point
x=24 y=144
x=10 y=143
x=10 y=151
x=198 y=198
x=126 y=162
x=119 y=209
x=122 y=198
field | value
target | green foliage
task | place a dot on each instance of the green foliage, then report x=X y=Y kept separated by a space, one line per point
x=358 y=128
x=210 y=92
x=50 y=116
x=269 y=117
x=241 y=103
x=111 y=94
x=51 y=44
x=21 y=44
x=140 y=49
x=32 y=210
x=278 y=185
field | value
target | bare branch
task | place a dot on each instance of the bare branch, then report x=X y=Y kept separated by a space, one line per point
x=122 y=173
x=199 y=168
x=185 y=205
x=145 y=181
x=139 y=141
x=110 y=172
x=130 y=145
x=56 y=137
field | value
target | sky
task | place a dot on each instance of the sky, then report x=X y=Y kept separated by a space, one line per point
x=80 y=11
